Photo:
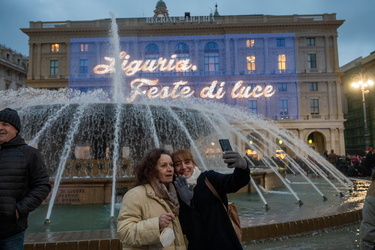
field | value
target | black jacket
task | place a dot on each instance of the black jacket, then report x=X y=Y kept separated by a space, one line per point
x=206 y=223
x=24 y=184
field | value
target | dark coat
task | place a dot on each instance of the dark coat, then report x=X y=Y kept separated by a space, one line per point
x=24 y=184
x=206 y=223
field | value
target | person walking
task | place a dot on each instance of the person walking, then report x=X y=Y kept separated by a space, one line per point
x=203 y=218
x=148 y=217
x=24 y=182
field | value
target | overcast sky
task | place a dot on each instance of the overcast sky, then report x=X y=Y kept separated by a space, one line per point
x=356 y=35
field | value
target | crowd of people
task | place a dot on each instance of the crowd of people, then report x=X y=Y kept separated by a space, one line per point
x=353 y=165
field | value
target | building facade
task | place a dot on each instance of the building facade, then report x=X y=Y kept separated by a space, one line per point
x=359 y=104
x=13 y=69
x=284 y=68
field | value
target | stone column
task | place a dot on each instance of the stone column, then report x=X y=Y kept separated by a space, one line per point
x=38 y=61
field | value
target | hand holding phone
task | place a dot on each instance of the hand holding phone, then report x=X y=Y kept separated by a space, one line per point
x=225 y=145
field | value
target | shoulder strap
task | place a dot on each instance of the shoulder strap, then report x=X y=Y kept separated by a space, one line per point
x=213 y=190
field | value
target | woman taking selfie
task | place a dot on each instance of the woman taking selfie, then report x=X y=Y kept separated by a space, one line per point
x=203 y=217
x=148 y=218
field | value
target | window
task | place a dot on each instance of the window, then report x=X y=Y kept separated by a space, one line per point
x=283 y=107
x=313 y=86
x=310 y=41
x=283 y=87
x=211 y=57
x=152 y=51
x=7 y=84
x=84 y=47
x=250 y=63
x=311 y=61
x=314 y=106
x=280 y=42
x=83 y=66
x=182 y=51
x=54 y=67
x=253 y=106
x=55 y=47
x=281 y=62
x=250 y=43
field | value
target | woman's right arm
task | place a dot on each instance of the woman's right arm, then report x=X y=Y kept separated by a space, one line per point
x=134 y=227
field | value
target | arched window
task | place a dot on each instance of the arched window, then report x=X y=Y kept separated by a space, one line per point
x=211 y=57
x=152 y=51
x=181 y=50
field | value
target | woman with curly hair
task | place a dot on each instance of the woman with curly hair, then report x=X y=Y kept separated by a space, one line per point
x=148 y=218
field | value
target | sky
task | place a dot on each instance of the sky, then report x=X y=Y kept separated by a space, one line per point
x=356 y=36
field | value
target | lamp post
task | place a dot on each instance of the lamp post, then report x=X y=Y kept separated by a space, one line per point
x=363 y=81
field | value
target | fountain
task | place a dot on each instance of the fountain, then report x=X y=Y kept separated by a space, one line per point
x=90 y=139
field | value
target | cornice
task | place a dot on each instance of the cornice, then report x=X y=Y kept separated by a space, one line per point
x=181 y=28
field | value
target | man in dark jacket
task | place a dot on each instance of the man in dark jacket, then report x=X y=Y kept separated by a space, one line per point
x=24 y=182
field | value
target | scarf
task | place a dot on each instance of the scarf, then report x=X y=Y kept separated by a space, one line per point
x=168 y=194
x=192 y=180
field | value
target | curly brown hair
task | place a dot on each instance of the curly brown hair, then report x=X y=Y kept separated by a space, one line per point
x=145 y=169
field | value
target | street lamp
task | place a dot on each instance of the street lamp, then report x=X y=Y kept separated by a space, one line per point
x=363 y=81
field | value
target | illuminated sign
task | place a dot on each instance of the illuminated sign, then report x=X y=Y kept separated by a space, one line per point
x=182 y=19
x=179 y=90
x=211 y=67
x=135 y=66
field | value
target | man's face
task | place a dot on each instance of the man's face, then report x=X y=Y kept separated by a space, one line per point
x=7 y=132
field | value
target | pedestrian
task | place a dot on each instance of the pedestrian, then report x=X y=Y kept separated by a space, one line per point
x=367 y=228
x=204 y=219
x=148 y=217
x=332 y=157
x=24 y=182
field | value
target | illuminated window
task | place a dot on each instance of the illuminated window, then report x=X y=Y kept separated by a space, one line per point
x=54 y=67
x=283 y=107
x=211 y=57
x=313 y=86
x=250 y=43
x=280 y=42
x=314 y=106
x=152 y=51
x=253 y=106
x=311 y=61
x=250 y=63
x=310 y=41
x=84 y=47
x=83 y=66
x=55 y=47
x=281 y=62
x=283 y=87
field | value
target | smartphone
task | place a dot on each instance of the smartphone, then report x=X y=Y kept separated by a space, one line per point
x=225 y=145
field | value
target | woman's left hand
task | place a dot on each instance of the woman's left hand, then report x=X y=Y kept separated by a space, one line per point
x=186 y=193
